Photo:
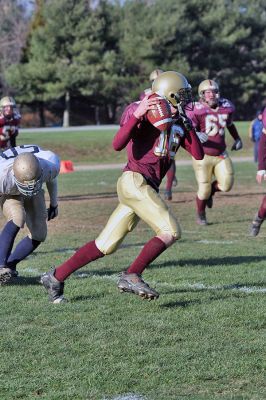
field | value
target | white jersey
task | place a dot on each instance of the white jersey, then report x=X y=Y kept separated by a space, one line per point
x=49 y=161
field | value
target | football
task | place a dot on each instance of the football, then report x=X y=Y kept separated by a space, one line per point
x=160 y=116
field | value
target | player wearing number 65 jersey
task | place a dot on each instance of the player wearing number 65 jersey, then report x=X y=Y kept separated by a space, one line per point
x=210 y=116
x=23 y=171
x=149 y=153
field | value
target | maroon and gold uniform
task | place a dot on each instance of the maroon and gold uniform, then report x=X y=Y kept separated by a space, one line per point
x=149 y=153
x=9 y=127
x=210 y=116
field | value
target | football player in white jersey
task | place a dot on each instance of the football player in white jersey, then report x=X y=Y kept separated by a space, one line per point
x=23 y=171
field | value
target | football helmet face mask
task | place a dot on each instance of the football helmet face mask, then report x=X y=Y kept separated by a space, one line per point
x=154 y=74
x=209 y=93
x=175 y=87
x=7 y=106
x=27 y=174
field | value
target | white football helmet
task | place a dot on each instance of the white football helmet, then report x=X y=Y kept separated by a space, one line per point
x=211 y=86
x=7 y=106
x=28 y=174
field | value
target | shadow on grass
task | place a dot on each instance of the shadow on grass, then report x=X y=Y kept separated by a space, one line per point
x=93 y=196
x=193 y=289
x=180 y=304
x=212 y=262
x=86 y=298
x=24 y=281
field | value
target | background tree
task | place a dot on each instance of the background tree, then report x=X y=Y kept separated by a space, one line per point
x=101 y=53
x=14 y=22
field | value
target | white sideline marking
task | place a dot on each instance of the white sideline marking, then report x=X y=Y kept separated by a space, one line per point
x=205 y=241
x=127 y=397
x=246 y=289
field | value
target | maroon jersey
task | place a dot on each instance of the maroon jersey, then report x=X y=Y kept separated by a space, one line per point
x=262 y=145
x=149 y=150
x=264 y=118
x=9 y=130
x=213 y=122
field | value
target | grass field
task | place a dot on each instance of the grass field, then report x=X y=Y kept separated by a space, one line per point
x=92 y=147
x=203 y=339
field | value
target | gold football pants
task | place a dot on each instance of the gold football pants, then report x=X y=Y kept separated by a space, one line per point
x=221 y=168
x=137 y=200
x=29 y=210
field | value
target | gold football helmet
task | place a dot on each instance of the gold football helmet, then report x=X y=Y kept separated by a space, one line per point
x=174 y=86
x=28 y=174
x=154 y=74
x=208 y=84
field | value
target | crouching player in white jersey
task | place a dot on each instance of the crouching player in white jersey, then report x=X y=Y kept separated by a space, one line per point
x=23 y=170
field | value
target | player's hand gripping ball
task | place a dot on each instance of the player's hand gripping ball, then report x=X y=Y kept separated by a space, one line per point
x=160 y=116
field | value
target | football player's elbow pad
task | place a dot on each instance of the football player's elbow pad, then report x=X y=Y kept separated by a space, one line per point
x=237 y=145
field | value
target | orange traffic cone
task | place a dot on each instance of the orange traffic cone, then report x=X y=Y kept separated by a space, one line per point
x=66 y=166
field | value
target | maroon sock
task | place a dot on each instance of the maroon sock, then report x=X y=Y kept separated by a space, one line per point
x=150 y=251
x=87 y=253
x=262 y=209
x=201 y=205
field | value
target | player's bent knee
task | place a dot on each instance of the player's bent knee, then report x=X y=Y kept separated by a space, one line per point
x=226 y=187
x=204 y=192
x=170 y=237
x=38 y=234
x=39 y=238
x=108 y=247
x=19 y=221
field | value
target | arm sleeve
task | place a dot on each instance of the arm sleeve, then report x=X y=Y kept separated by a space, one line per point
x=128 y=124
x=250 y=131
x=52 y=190
x=193 y=145
x=13 y=140
x=264 y=118
x=233 y=131
x=262 y=152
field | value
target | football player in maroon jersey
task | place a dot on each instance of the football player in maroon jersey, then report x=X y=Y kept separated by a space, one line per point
x=210 y=116
x=9 y=122
x=261 y=176
x=149 y=153
x=171 y=179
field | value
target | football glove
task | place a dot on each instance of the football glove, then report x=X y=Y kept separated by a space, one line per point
x=52 y=212
x=237 y=145
x=203 y=137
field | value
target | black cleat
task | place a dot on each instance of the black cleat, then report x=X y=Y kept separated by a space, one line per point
x=54 y=287
x=256 y=224
x=201 y=219
x=133 y=283
x=209 y=202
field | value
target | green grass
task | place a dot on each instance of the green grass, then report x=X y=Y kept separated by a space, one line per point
x=204 y=338
x=96 y=146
